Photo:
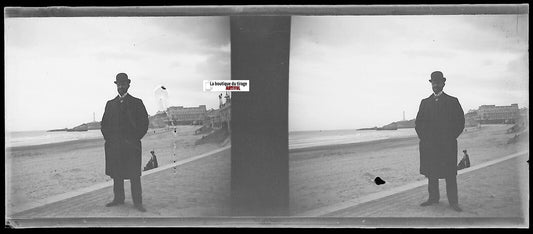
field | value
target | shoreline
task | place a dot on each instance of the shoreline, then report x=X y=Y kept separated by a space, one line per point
x=353 y=144
x=371 y=142
x=96 y=141
x=85 y=143
x=81 y=142
x=78 y=142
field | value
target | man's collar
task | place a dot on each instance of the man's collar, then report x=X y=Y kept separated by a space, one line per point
x=438 y=94
x=123 y=96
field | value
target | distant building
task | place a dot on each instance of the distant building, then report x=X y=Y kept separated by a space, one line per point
x=220 y=117
x=471 y=118
x=492 y=114
x=159 y=120
x=213 y=118
x=179 y=115
x=524 y=116
x=225 y=115
x=187 y=115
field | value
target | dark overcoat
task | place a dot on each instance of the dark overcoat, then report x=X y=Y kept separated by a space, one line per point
x=438 y=124
x=123 y=125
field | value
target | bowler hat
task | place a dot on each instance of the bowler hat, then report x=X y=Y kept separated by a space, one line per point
x=122 y=78
x=437 y=76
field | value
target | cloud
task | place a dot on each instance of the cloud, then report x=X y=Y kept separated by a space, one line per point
x=71 y=64
x=430 y=54
x=209 y=31
x=366 y=70
x=189 y=35
x=215 y=67
x=519 y=66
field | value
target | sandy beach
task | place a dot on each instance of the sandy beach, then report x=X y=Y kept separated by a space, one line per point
x=327 y=175
x=198 y=189
x=37 y=172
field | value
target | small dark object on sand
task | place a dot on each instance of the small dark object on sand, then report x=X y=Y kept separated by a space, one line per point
x=379 y=181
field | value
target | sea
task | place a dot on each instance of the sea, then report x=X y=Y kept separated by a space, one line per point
x=297 y=139
x=305 y=139
x=27 y=138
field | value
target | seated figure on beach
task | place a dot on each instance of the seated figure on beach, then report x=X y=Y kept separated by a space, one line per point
x=124 y=124
x=465 y=161
x=152 y=163
x=439 y=122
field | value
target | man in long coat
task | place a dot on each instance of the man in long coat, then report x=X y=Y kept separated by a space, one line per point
x=124 y=123
x=440 y=120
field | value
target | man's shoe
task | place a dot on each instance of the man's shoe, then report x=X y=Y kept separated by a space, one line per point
x=456 y=207
x=114 y=203
x=140 y=208
x=428 y=203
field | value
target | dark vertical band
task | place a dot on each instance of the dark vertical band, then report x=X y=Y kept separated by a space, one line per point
x=259 y=150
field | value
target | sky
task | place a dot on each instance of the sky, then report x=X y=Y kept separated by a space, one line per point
x=59 y=71
x=364 y=71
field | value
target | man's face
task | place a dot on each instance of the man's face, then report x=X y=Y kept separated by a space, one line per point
x=122 y=87
x=437 y=86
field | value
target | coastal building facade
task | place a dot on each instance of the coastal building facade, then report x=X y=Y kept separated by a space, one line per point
x=213 y=118
x=179 y=115
x=225 y=116
x=187 y=115
x=524 y=116
x=492 y=114
x=220 y=117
